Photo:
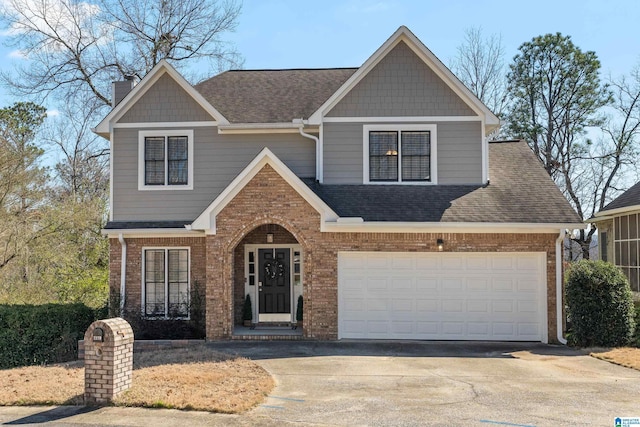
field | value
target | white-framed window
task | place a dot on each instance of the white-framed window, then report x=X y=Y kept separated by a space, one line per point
x=399 y=154
x=165 y=160
x=165 y=282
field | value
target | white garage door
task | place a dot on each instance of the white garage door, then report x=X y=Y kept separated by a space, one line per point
x=442 y=296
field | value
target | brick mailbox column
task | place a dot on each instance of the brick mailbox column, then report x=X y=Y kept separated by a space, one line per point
x=108 y=360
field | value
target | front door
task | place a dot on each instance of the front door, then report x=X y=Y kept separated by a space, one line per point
x=274 y=281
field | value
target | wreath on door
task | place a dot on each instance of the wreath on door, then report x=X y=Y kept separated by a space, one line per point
x=273 y=269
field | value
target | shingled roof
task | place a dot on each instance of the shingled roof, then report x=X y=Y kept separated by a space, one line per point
x=271 y=96
x=520 y=191
x=629 y=198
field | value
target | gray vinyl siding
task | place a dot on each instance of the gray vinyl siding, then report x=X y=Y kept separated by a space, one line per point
x=165 y=101
x=218 y=159
x=458 y=159
x=401 y=84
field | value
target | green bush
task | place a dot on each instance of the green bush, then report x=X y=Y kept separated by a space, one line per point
x=599 y=305
x=41 y=334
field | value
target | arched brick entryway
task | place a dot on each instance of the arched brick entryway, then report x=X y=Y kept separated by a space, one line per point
x=246 y=264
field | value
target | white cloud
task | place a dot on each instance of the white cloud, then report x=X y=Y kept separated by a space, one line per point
x=53 y=113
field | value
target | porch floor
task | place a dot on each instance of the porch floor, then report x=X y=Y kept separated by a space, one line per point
x=266 y=332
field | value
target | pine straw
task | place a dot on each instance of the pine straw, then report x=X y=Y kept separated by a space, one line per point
x=192 y=378
x=624 y=356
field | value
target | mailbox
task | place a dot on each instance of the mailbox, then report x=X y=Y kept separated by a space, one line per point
x=98 y=335
x=108 y=360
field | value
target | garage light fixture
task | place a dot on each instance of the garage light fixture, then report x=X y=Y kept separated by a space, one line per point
x=440 y=244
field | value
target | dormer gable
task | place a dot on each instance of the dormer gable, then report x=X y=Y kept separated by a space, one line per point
x=163 y=95
x=400 y=54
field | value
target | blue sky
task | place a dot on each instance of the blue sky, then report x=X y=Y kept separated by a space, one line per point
x=331 y=33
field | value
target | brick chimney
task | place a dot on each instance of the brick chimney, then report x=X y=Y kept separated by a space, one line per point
x=121 y=89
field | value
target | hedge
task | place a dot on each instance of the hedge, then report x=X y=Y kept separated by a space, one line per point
x=599 y=305
x=42 y=334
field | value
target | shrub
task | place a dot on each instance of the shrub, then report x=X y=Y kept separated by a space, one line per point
x=599 y=305
x=40 y=334
x=300 y=309
x=247 y=309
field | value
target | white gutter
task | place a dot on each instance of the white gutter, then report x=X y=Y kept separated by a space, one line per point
x=123 y=272
x=300 y=123
x=559 y=294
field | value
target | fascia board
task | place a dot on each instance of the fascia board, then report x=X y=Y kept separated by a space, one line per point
x=150 y=232
x=617 y=211
x=446 y=227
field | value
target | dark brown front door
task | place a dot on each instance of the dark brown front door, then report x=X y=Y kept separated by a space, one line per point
x=274 y=281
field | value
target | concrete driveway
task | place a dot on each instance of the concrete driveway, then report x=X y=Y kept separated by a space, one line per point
x=404 y=384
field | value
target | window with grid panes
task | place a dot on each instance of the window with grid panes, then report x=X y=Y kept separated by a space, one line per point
x=166 y=160
x=166 y=282
x=626 y=244
x=399 y=156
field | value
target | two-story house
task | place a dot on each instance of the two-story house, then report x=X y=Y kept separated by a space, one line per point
x=373 y=192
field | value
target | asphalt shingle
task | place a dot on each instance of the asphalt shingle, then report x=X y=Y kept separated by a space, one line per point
x=520 y=191
x=631 y=197
x=271 y=96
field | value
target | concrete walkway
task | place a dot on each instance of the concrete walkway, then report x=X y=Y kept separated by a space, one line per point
x=401 y=384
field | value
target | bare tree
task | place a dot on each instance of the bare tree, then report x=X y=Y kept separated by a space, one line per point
x=75 y=47
x=479 y=64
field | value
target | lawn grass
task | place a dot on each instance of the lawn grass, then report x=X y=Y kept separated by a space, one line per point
x=623 y=356
x=195 y=378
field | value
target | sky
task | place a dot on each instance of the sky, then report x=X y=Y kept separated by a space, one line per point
x=330 y=33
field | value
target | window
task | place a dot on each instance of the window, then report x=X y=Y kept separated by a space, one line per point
x=165 y=160
x=626 y=244
x=399 y=154
x=165 y=287
x=604 y=243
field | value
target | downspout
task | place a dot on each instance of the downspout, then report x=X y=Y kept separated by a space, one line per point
x=559 y=293
x=123 y=271
x=318 y=148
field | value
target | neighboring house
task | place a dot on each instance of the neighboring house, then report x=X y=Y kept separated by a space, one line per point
x=619 y=234
x=371 y=191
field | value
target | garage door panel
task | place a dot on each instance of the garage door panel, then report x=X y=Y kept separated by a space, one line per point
x=492 y=296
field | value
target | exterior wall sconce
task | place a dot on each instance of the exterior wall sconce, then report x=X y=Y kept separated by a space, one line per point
x=440 y=244
x=269 y=237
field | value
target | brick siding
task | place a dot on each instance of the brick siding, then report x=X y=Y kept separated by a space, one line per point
x=219 y=257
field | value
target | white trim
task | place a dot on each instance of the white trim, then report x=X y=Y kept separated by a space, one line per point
x=260 y=128
x=485 y=155
x=111 y=144
x=403 y=34
x=141 y=166
x=613 y=212
x=163 y=67
x=559 y=293
x=150 y=233
x=445 y=227
x=207 y=219
x=254 y=290
x=320 y=159
x=402 y=119
x=123 y=273
x=433 y=172
x=146 y=125
x=166 y=281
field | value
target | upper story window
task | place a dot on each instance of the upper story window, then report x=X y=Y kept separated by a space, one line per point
x=399 y=154
x=165 y=160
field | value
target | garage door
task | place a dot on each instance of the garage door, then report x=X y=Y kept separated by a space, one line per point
x=442 y=296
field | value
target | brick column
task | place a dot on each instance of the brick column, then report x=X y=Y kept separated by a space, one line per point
x=108 y=360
